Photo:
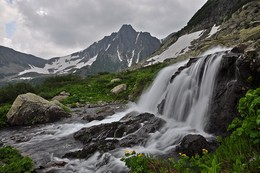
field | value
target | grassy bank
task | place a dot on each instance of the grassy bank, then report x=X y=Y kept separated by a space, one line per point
x=92 y=89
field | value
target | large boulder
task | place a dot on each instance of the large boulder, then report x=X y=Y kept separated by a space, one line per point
x=195 y=144
x=118 y=89
x=29 y=109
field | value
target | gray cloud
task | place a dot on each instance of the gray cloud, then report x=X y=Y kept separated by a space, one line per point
x=63 y=26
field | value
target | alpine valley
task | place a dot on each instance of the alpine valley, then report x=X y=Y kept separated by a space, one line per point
x=133 y=103
x=113 y=53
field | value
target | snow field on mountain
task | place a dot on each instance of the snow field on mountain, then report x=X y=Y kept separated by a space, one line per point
x=180 y=47
x=61 y=65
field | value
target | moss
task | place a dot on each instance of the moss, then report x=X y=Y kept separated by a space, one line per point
x=250 y=33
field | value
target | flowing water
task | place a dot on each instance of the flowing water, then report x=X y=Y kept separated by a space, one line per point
x=186 y=102
x=187 y=99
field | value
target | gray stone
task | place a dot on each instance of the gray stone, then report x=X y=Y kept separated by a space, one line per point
x=115 y=80
x=118 y=89
x=62 y=96
x=29 y=109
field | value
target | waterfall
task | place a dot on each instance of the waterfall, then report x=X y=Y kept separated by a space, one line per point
x=186 y=100
x=188 y=96
x=151 y=98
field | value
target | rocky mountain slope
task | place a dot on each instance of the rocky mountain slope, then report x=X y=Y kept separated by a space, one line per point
x=13 y=62
x=113 y=53
x=223 y=25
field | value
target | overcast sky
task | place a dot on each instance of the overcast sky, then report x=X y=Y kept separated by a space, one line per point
x=50 y=28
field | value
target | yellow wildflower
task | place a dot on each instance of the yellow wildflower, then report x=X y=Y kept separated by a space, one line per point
x=133 y=152
x=205 y=151
x=130 y=152
x=183 y=155
x=140 y=155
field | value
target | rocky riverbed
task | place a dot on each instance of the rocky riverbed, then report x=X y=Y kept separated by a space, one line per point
x=47 y=143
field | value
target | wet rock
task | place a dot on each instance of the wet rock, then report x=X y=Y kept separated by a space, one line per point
x=118 y=89
x=239 y=49
x=29 y=109
x=20 y=138
x=161 y=106
x=100 y=114
x=93 y=112
x=238 y=73
x=248 y=67
x=129 y=131
x=225 y=96
x=191 y=61
x=93 y=117
x=88 y=150
x=194 y=144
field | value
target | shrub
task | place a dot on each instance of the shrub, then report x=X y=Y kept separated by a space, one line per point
x=3 y=111
x=248 y=125
x=9 y=93
x=11 y=161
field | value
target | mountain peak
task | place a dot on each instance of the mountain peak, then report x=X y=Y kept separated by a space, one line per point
x=126 y=28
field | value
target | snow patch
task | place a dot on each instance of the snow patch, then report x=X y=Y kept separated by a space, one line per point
x=130 y=62
x=213 y=30
x=88 y=63
x=118 y=55
x=108 y=46
x=34 y=69
x=26 y=78
x=180 y=47
x=137 y=37
x=138 y=57
x=60 y=65
x=133 y=53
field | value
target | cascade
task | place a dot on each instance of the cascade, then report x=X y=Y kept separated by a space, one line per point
x=151 y=98
x=186 y=101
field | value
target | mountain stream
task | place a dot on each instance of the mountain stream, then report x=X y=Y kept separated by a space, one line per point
x=186 y=98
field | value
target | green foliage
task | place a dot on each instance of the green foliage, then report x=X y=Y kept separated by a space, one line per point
x=249 y=109
x=58 y=81
x=53 y=85
x=9 y=93
x=137 y=162
x=89 y=90
x=141 y=163
x=11 y=161
x=97 y=87
x=3 y=111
